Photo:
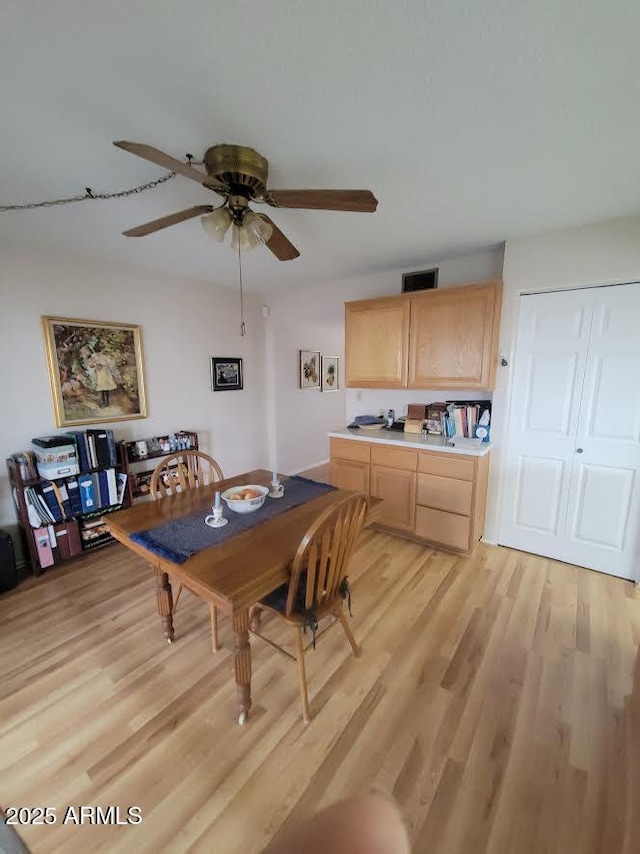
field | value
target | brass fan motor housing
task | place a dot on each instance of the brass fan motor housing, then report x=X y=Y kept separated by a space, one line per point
x=239 y=168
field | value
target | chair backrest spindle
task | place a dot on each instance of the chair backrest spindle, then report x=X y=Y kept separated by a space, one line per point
x=323 y=555
x=183 y=471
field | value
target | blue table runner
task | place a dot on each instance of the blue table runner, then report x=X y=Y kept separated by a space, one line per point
x=181 y=538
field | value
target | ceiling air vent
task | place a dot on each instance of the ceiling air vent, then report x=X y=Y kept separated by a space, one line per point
x=423 y=280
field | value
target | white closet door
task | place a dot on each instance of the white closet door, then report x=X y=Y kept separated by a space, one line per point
x=551 y=356
x=572 y=481
x=604 y=507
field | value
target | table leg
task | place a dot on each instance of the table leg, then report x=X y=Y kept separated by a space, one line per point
x=242 y=654
x=165 y=603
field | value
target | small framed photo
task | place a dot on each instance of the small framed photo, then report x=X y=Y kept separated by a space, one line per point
x=226 y=373
x=330 y=373
x=309 y=369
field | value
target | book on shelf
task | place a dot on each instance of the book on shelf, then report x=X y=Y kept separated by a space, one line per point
x=121 y=486
x=26 y=462
x=462 y=417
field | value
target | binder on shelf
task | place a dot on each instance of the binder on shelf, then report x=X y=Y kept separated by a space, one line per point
x=87 y=494
x=74 y=495
x=101 y=445
x=33 y=508
x=93 y=459
x=112 y=485
x=62 y=495
x=68 y=539
x=103 y=487
x=51 y=501
x=113 y=453
x=83 y=454
x=43 y=547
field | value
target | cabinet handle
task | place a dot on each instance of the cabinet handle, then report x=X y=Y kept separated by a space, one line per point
x=579 y=450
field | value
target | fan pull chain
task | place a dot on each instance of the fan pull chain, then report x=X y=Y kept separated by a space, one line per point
x=243 y=328
x=89 y=195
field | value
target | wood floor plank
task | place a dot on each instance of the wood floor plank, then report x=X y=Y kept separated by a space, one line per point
x=497 y=700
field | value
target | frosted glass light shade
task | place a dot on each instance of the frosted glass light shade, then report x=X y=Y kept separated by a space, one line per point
x=241 y=236
x=217 y=224
x=257 y=227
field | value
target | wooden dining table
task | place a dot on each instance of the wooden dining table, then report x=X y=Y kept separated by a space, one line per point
x=232 y=575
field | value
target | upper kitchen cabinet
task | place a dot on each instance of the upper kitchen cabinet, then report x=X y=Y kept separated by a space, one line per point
x=377 y=343
x=454 y=337
x=436 y=339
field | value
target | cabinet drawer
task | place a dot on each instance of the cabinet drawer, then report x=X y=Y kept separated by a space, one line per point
x=447 y=529
x=445 y=493
x=346 y=449
x=396 y=458
x=446 y=465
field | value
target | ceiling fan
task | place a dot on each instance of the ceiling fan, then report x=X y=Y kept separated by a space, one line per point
x=239 y=175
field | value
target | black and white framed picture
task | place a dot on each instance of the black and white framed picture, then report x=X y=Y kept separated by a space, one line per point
x=226 y=373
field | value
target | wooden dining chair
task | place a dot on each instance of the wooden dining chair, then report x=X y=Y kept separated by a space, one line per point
x=318 y=585
x=181 y=472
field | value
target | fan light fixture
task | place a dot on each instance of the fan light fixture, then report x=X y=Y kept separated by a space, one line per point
x=249 y=232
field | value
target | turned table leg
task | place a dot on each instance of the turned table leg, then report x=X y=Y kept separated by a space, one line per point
x=242 y=655
x=165 y=603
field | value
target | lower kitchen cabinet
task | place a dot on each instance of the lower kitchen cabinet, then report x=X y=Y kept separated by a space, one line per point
x=397 y=488
x=435 y=497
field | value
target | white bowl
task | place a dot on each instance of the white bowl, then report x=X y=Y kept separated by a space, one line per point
x=245 y=505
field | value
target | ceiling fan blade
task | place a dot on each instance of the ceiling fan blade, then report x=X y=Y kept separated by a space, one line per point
x=166 y=221
x=281 y=246
x=148 y=152
x=325 y=200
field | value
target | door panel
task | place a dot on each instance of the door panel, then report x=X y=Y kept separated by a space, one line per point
x=602 y=505
x=549 y=392
x=572 y=480
x=550 y=361
x=604 y=511
x=536 y=477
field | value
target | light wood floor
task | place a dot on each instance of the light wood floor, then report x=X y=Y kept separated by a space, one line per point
x=492 y=700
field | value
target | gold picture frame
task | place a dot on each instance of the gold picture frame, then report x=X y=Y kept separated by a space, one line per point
x=95 y=370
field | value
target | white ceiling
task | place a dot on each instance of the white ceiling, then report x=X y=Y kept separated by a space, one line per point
x=471 y=122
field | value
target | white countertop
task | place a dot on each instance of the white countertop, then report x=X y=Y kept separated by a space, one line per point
x=410 y=440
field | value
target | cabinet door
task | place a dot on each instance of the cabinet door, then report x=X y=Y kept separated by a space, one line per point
x=454 y=337
x=350 y=474
x=397 y=488
x=377 y=343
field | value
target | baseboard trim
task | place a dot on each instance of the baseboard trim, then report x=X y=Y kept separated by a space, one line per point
x=309 y=466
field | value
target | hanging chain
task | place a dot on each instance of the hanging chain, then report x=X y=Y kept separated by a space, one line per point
x=89 y=195
x=243 y=328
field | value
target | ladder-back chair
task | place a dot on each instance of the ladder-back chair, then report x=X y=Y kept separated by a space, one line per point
x=181 y=472
x=318 y=584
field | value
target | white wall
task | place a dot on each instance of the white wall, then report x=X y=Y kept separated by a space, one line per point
x=599 y=254
x=314 y=319
x=183 y=323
